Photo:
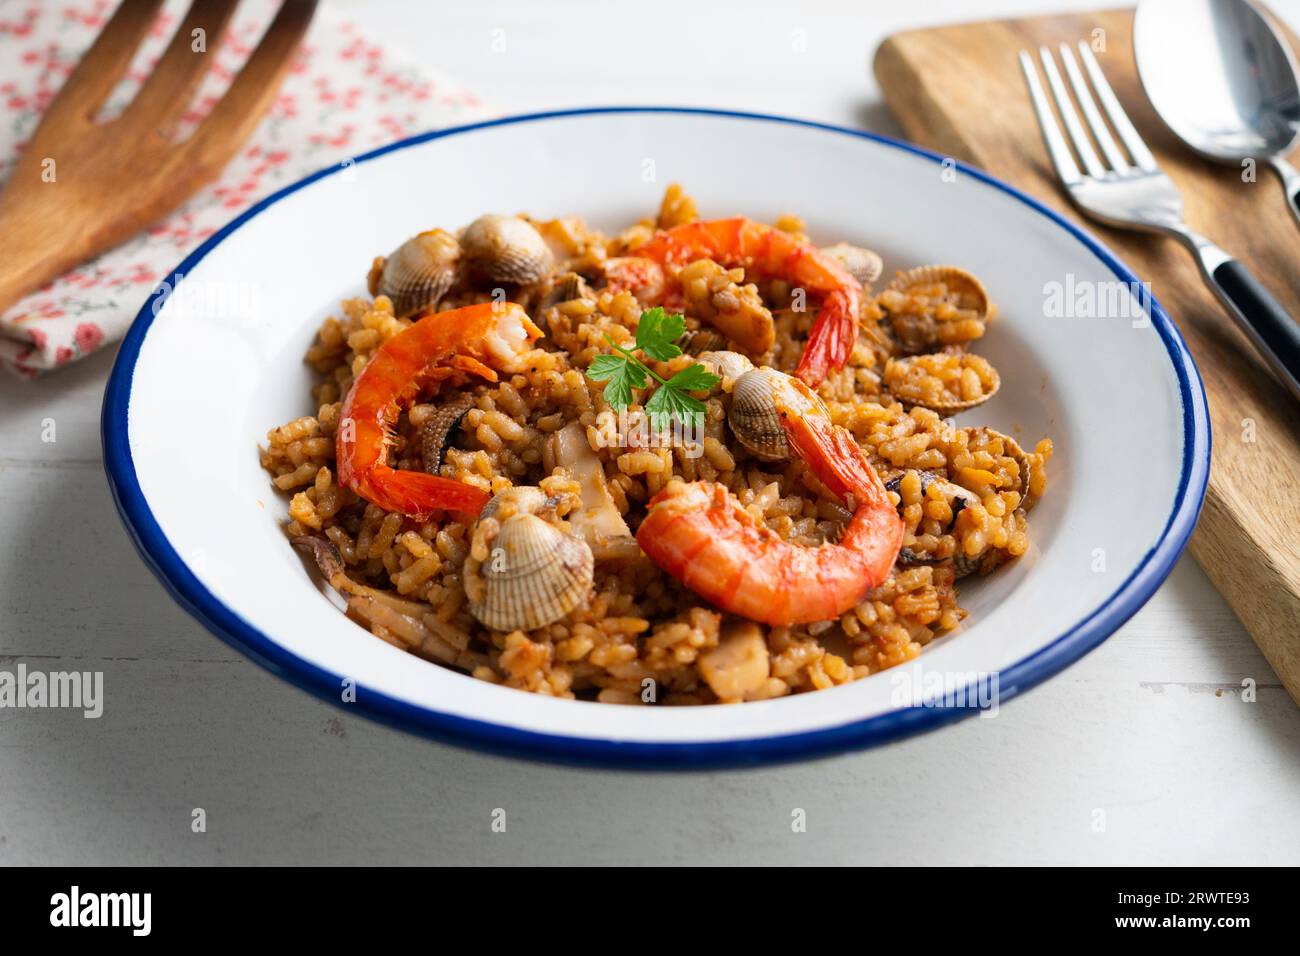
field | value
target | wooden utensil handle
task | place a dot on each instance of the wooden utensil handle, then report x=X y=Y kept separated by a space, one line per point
x=35 y=246
x=46 y=227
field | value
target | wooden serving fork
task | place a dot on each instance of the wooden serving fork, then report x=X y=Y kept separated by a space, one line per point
x=82 y=187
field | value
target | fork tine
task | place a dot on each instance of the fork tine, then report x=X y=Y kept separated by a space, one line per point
x=86 y=89
x=1086 y=103
x=1118 y=118
x=258 y=82
x=1073 y=126
x=167 y=91
x=1062 y=158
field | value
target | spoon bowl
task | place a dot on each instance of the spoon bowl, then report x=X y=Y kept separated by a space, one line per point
x=1223 y=80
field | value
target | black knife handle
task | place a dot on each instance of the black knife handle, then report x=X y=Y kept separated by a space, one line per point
x=1271 y=328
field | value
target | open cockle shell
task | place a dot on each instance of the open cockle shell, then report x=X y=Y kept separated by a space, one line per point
x=566 y=288
x=437 y=432
x=1023 y=460
x=702 y=341
x=728 y=366
x=419 y=272
x=964 y=290
x=941 y=382
x=927 y=321
x=958 y=499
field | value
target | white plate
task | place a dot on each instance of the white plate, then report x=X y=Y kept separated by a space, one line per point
x=215 y=359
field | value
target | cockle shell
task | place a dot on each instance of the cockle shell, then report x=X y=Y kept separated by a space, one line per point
x=1012 y=449
x=567 y=288
x=964 y=290
x=506 y=249
x=959 y=498
x=863 y=264
x=420 y=271
x=726 y=364
x=436 y=434
x=944 y=405
x=754 y=418
x=701 y=341
x=535 y=573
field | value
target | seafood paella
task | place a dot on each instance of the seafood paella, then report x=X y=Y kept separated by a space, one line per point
x=698 y=461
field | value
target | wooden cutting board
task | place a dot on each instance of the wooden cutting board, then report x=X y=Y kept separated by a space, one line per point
x=959 y=90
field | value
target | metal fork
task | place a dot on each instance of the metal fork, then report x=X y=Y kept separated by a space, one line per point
x=1136 y=194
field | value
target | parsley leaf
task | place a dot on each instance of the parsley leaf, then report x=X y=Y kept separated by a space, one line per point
x=624 y=372
x=668 y=403
x=656 y=331
x=623 y=376
x=693 y=378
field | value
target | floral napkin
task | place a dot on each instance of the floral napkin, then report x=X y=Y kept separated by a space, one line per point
x=345 y=94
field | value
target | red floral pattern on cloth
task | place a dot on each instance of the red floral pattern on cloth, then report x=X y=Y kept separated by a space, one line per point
x=345 y=94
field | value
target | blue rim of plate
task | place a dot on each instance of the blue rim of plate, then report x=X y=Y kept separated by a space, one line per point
x=1068 y=647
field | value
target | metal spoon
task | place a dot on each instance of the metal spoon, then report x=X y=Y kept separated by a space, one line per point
x=1224 y=80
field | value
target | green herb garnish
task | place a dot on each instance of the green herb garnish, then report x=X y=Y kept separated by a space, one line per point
x=655 y=335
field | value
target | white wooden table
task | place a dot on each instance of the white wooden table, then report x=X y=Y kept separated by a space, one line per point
x=1144 y=752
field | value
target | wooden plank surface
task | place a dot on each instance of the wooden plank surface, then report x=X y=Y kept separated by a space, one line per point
x=959 y=90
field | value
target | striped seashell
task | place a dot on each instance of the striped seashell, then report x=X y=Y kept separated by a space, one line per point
x=506 y=249
x=419 y=272
x=535 y=573
x=863 y=264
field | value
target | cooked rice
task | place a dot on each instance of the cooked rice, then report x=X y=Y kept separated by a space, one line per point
x=640 y=628
x=940 y=380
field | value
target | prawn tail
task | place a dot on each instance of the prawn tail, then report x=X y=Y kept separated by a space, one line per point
x=418 y=495
x=831 y=340
x=836 y=459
